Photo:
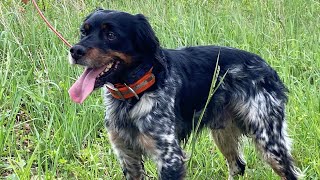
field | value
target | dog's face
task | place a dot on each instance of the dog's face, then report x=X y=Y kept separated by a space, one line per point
x=111 y=44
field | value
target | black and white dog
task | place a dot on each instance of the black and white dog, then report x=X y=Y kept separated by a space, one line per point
x=154 y=96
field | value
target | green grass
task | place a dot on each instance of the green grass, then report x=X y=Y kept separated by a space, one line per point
x=45 y=135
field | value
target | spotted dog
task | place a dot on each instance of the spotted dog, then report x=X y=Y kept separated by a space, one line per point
x=154 y=95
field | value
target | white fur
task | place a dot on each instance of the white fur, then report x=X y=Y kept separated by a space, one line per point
x=71 y=60
x=143 y=106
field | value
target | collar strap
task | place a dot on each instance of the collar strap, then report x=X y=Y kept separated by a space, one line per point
x=137 y=73
x=124 y=91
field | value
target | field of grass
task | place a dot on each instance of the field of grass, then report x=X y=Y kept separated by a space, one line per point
x=45 y=135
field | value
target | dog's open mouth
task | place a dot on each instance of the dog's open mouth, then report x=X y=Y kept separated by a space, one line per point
x=90 y=79
x=100 y=81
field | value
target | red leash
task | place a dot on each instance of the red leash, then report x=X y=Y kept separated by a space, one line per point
x=49 y=25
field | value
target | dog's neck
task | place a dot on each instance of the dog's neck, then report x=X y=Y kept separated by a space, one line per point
x=137 y=73
x=137 y=81
x=142 y=78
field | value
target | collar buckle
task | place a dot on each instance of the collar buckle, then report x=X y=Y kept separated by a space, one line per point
x=132 y=91
x=116 y=90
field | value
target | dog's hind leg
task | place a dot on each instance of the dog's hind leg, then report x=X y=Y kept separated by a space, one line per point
x=228 y=141
x=275 y=148
x=264 y=120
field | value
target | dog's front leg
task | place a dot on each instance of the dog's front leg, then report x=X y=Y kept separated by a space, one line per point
x=130 y=157
x=165 y=151
x=171 y=160
x=154 y=116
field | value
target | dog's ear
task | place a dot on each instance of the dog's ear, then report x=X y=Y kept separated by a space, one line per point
x=145 y=39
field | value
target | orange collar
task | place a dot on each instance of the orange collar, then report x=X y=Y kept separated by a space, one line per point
x=124 y=91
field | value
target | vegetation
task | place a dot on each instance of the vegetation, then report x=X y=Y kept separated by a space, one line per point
x=43 y=134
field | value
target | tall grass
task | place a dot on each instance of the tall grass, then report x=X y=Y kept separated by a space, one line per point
x=44 y=135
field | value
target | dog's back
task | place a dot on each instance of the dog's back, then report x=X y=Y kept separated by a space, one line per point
x=246 y=75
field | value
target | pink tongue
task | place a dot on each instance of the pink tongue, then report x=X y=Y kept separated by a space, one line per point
x=82 y=88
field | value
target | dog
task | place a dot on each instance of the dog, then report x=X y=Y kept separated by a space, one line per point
x=154 y=97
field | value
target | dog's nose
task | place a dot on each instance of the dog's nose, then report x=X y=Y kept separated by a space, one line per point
x=77 y=52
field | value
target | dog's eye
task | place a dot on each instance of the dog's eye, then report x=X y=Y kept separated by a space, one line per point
x=111 y=36
x=83 y=33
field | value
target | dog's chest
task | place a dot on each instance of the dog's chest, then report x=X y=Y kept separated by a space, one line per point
x=127 y=114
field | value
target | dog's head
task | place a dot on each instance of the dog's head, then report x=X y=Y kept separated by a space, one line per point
x=112 y=43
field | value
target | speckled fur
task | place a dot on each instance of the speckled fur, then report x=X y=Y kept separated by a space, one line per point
x=249 y=102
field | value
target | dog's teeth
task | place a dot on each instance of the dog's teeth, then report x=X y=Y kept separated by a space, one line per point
x=106 y=70
x=101 y=74
x=109 y=65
